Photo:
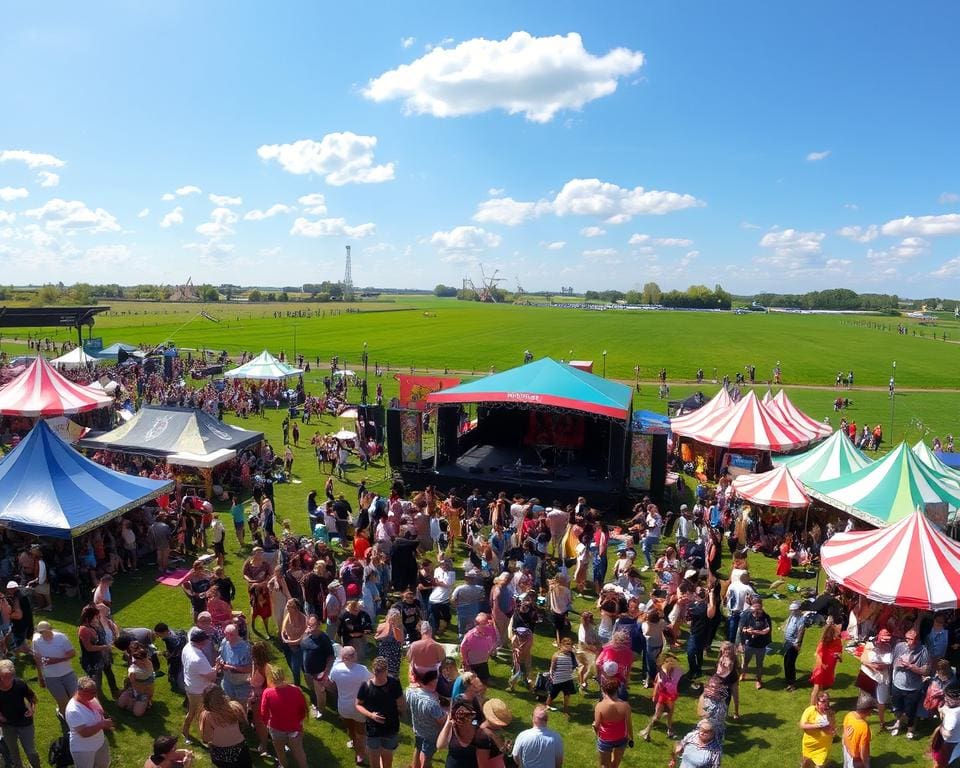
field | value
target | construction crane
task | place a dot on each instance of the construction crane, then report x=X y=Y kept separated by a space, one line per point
x=488 y=288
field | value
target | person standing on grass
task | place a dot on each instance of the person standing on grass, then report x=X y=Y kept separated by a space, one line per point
x=665 y=695
x=876 y=663
x=699 y=613
x=755 y=629
x=828 y=654
x=563 y=665
x=87 y=722
x=427 y=717
x=348 y=676
x=478 y=645
x=700 y=748
x=856 y=734
x=613 y=724
x=911 y=663
x=380 y=700
x=539 y=746
x=52 y=652
x=239 y=521
x=218 y=535
x=793 y=630
x=651 y=539
x=17 y=706
x=235 y=663
x=198 y=675
x=318 y=657
x=284 y=710
x=818 y=727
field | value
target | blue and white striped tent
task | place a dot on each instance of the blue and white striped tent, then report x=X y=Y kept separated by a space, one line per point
x=49 y=489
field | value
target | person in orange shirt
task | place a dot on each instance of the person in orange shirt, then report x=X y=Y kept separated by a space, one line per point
x=856 y=733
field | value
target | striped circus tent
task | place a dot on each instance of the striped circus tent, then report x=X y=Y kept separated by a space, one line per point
x=910 y=564
x=790 y=414
x=262 y=368
x=41 y=390
x=888 y=490
x=49 y=489
x=748 y=425
x=777 y=488
x=833 y=458
x=928 y=457
x=714 y=408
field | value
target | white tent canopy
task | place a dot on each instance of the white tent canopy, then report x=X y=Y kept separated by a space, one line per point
x=75 y=358
x=263 y=367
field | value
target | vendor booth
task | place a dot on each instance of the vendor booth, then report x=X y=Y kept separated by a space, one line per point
x=834 y=458
x=776 y=488
x=264 y=367
x=42 y=391
x=75 y=358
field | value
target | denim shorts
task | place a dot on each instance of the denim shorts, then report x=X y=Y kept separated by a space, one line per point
x=389 y=743
x=427 y=746
x=608 y=746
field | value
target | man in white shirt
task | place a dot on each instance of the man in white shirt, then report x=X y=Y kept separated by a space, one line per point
x=444 y=577
x=52 y=652
x=347 y=675
x=198 y=675
x=87 y=722
x=539 y=746
x=737 y=594
x=684 y=527
x=41 y=581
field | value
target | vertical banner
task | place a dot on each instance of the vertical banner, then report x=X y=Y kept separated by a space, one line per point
x=414 y=389
x=410 y=437
x=641 y=461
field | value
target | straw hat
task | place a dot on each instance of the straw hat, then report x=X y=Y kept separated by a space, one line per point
x=497 y=713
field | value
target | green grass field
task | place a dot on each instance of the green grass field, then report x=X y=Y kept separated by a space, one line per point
x=470 y=337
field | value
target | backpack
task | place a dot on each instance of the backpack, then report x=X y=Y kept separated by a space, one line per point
x=59 y=754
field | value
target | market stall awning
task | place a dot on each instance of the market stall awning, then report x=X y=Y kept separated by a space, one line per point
x=262 y=368
x=888 y=490
x=114 y=349
x=910 y=564
x=544 y=382
x=835 y=457
x=789 y=414
x=928 y=457
x=748 y=426
x=714 y=409
x=49 y=489
x=41 y=390
x=165 y=431
x=777 y=488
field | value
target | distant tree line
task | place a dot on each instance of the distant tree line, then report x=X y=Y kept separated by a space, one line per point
x=832 y=298
x=695 y=297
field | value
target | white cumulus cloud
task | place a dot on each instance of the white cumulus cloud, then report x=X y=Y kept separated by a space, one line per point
x=908 y=249
x=668 y=242
x=533 y=76
x=7 y=217
x=860 y=234
x=269 y=213
x=923 y=226
x=593 y=231
x=173 y=218
x=407 y=42
x=792 y=250
x=341 y=158
x=143 y=213
x=947 y=198
x=31 y=159
x=331 y=227
x=816 y=157
x=949 y=269
x=9 y=194
x=556 y=245
x=224 y=200
x=66 y=216
x=168 y=197
x=48 y=179
x=464 y=240
x=189 y=189
x=509 y=212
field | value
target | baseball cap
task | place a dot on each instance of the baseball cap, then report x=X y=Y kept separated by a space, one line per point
x=683 y=507
x=44 y=626
x=794 y=606
x=611 y=668
x=198 y=636
x=13 y=584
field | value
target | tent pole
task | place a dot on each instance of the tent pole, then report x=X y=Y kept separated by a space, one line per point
x=76 y=570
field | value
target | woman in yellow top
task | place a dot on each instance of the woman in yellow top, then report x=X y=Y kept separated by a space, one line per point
x=817 y=724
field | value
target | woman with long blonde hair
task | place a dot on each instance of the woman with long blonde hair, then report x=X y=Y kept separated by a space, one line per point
x=221 y=722
x=260 y=654
x=389 y=637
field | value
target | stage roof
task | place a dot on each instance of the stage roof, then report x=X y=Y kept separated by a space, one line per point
x=43 y=317
x=544 y=382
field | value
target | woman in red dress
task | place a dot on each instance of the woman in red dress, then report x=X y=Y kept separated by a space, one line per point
x=828 y=654
x=784 y=562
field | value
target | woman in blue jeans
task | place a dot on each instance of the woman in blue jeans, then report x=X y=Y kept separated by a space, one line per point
x=600 y=541
x=291 y=633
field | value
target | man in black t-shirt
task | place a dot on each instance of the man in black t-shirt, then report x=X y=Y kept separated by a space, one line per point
x=699 y=613
x=318 y=658
x=410 y=615
x=380 y=701
x=174 y=641
x=17 y=705
x=21 y=618
x=755 y=630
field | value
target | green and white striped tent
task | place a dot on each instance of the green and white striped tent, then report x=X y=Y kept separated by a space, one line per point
x=262 y=368
x=835 y=457
x=928 y=457
x=888 y=490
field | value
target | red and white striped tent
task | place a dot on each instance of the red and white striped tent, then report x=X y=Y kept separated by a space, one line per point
x=910 y=564
x=42 y=391
x=782 y=407
x=749 y=426
x=777 y=488
x=716 y=407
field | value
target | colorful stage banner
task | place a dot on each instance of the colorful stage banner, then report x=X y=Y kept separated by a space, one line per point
x=414 y=389
x=641 y=462
x=410 y=437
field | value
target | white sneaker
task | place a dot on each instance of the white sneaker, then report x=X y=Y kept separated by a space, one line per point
x=317 y=714
x=645 y=569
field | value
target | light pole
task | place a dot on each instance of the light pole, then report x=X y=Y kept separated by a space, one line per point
x=604 y=363
x=637 y=371
x=893 y=398
x=294 y=343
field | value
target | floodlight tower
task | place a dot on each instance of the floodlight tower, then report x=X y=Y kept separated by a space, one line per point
x=348 y=276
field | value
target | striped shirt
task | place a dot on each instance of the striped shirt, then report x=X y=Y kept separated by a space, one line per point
x=563 y=666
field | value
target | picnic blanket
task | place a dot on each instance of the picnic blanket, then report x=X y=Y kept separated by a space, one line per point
x=174 y=578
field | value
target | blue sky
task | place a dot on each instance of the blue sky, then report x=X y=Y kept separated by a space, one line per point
x=764 y=146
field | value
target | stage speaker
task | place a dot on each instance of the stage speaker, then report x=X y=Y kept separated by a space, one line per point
x=167 y=367
x=394 y=446
x=448 y=421
x=373 y=415
x=150 y=365
x=122 y=355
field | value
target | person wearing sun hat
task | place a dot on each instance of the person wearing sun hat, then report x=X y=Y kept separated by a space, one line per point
x=876 y=663
x=52 y=652
x=491 y=743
